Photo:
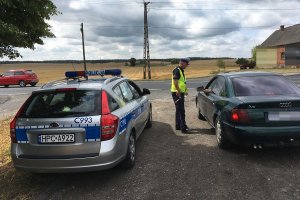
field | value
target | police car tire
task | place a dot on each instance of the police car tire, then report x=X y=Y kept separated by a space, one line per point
x=129 y=162
x=222 y=140
x=149 y=122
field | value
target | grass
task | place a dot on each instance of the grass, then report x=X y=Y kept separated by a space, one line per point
x=49 y=72
x=4 y=142
x=13 y=184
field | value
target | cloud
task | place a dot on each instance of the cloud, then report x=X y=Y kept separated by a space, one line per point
x=114 y=29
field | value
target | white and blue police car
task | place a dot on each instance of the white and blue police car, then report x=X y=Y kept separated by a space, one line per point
x=80 y=124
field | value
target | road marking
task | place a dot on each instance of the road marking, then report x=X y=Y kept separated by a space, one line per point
x=14 y=94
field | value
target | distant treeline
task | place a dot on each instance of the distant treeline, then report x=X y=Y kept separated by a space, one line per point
x=110 y=60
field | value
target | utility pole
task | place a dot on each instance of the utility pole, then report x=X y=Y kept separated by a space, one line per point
x=83 y=49
x=146 y=43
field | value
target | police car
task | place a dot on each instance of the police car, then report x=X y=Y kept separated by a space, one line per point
x=80 y=124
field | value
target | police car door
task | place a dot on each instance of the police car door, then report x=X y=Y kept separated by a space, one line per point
x=132 y=105
x=142 y=101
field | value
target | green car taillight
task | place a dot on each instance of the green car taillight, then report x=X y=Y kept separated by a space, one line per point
x=240 y=116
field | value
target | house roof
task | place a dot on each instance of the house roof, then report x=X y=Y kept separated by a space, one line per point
x=288 y=35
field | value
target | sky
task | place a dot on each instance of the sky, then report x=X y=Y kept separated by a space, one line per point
x=114 y=28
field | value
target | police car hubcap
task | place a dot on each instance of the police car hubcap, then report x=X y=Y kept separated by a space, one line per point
x=132 y=148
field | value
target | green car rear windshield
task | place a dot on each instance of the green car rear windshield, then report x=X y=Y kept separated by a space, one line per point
x=263 y=86
x=63 y=104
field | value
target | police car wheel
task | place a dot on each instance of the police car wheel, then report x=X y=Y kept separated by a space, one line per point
x=129 y=161
x=149 y=122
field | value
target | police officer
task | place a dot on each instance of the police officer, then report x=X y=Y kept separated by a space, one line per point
x=179 y=90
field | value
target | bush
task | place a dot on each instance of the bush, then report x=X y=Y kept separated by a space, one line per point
x=174 y=61
x=242 y=61
x=132 y=62
x=221 y=64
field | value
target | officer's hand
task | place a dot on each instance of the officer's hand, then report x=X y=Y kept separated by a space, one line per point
x=178 y=94
x=186 y=94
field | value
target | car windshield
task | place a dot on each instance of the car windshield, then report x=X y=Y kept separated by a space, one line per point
x=263 y=86
x=63 y=104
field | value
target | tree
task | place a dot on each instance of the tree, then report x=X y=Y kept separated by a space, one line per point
x=253 y=52
x=221 y=64
x=242 y=61
x=22 y=25
x=132 y=62
x=174 y=61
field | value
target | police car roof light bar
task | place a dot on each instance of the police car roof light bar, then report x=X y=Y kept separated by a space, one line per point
x=111 y=72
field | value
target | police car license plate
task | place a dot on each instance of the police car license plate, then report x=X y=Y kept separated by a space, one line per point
x=58 y=138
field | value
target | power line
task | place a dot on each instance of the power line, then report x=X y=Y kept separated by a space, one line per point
x=235 y=9
x=167 y=27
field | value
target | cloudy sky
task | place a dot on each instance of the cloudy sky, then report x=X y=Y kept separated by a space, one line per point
x=114 y=28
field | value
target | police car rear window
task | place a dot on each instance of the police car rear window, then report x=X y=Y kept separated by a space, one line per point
x=63 y=104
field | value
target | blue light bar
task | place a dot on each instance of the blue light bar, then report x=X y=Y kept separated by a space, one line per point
x=111 y=72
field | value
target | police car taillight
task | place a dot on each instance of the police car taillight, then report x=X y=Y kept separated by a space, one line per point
x=109 y=122
x=13 y=137
x=109 y=125
x=13 y=123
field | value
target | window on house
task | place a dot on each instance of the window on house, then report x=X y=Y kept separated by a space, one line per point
x=282 y=55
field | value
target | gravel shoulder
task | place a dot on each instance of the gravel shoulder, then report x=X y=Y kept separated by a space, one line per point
x=171 y=165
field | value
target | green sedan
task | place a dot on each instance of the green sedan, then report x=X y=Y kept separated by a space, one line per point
x=252 y=109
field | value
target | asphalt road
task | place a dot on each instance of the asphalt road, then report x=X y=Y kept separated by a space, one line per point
x=152 y=85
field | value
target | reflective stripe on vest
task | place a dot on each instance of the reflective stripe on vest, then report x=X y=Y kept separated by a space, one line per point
x=181 y=83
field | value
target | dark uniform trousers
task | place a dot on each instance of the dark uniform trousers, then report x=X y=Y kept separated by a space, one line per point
x=180 y=111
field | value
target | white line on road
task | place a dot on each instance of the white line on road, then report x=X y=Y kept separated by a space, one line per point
x=14 y=94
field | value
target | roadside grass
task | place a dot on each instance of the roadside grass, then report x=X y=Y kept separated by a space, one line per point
x=4 y=142
x=14 y=184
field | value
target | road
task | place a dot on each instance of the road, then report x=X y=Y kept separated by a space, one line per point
x=152 y=85
x=12 y=97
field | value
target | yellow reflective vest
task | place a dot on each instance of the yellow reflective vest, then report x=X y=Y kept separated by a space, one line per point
x=181 y=83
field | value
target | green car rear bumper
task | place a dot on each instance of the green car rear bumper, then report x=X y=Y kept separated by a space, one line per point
x=265 y=136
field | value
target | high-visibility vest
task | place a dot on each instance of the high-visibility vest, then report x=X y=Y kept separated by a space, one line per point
x=181 y=83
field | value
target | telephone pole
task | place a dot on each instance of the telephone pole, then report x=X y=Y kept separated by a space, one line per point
x=83 y=49
x=146 y=43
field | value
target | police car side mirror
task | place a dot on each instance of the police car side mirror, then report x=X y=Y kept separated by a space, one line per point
x=1 y=75
x=200 y=89
x=146 y=91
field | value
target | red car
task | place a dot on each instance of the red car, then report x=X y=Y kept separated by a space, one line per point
x=20 y=77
